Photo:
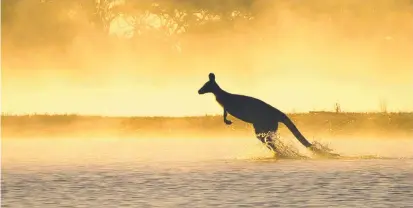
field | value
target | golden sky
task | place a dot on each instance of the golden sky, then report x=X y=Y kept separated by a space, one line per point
x=302 y=64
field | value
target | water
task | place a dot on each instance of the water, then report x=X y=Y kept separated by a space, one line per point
x=221 y=172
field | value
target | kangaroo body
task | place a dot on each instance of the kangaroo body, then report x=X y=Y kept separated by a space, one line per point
x=261 y=115
x=248 y=109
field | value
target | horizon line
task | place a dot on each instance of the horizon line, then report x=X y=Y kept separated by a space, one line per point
x=186 y=116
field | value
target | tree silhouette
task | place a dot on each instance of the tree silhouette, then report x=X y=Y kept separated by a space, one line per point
x=52 y=21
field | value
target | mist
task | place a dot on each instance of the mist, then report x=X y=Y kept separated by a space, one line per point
x=57 y=58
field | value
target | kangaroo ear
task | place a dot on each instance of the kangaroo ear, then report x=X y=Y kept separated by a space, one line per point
x=211 y=76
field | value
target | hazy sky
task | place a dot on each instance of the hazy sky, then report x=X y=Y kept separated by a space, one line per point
x=295 y=60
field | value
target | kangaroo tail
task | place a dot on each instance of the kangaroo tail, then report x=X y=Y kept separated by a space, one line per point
x=287 y=121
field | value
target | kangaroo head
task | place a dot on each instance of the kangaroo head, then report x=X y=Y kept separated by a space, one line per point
x=210 y=86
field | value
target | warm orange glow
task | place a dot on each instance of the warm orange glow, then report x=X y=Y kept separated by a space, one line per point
x=303 y=64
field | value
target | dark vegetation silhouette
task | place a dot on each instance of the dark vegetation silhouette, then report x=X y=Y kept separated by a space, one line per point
x=261 y=115
x=56 y=23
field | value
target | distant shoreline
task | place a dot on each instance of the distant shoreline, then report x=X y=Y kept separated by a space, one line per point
x=200 y=116
x=325 y=124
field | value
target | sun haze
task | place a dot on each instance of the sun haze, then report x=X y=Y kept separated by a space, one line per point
x=127 y=58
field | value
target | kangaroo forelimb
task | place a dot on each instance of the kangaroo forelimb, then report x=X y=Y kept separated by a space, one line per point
x=228 y=122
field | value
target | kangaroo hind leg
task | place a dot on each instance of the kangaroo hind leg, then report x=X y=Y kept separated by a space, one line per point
x=265 y=133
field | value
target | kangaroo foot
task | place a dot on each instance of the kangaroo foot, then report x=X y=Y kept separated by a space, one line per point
x=228 y=122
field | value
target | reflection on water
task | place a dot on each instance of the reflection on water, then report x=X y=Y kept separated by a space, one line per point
x=216 y=172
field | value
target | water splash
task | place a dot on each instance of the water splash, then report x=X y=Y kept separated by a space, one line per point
x=281 y=148
x=285 y=150
x=320 y=150
x=323 y=151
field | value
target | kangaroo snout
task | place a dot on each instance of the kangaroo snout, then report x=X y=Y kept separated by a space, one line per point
x=203 y=90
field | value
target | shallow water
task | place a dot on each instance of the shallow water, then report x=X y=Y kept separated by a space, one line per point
x=223 y=172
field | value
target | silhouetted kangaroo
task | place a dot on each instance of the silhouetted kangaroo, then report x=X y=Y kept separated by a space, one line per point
x=261 y=115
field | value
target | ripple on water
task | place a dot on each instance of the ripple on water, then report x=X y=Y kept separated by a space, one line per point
x=288 y=183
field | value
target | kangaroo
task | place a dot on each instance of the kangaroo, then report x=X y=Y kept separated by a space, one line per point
x=261 y=115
